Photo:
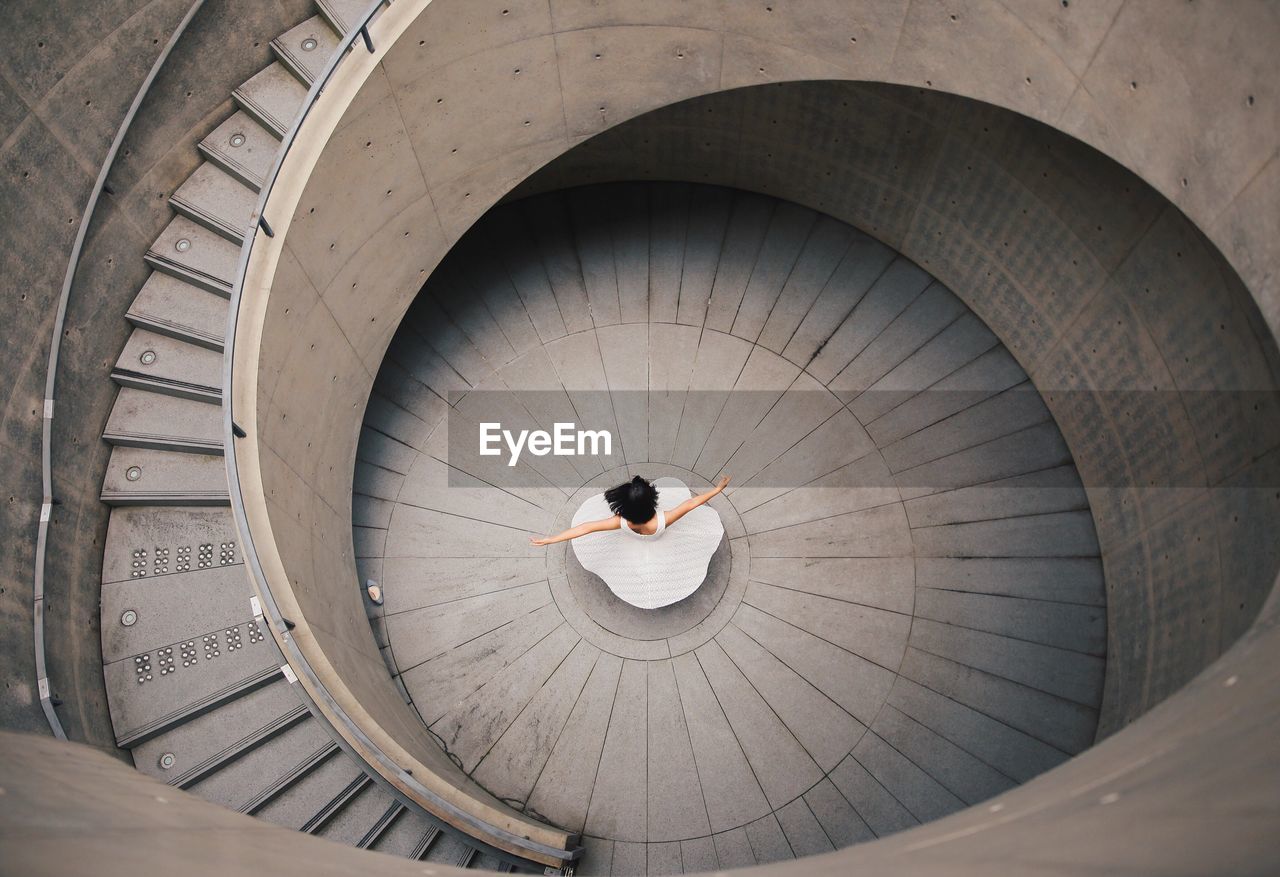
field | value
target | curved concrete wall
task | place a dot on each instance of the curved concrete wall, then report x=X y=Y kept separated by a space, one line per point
x=1148 y=348
x=1035 y=231
x=1137 y=79
x=1150 y=801
x=65 y=83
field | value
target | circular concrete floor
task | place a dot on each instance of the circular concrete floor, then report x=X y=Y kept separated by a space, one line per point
x=908 y=613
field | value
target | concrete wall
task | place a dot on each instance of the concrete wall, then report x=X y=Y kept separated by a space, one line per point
x=1173 y=92
x=1147 y=346
x=1052 y=244
x=67 y=77
x=1186 y=791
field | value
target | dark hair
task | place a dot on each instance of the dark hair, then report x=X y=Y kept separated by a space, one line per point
x=636 y=500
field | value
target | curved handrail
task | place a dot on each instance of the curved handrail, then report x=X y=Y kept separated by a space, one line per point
x=51 y=372
x=232 y=431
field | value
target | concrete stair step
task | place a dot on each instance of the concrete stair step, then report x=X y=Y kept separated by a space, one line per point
x=202 y=596
x=358 y=815
x=167 y=366
x=242 y=148
x=270 y=769
x=195 y=254
x=157 y=529
x=342 y=14
x=316 y=797
x=483 y=861
x=273 y=97
x=450 y=849
x=381 y=825
x=140 y=738
x=158 y=680
x=241 y=746
x=168 y=306
x=306 y=48
x=143 y=419
x=408 y=835
x=295 y=774
x=216 y=200
x=141 y=476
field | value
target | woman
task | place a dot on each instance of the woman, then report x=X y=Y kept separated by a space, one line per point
x=646 y=564
x=635 y=508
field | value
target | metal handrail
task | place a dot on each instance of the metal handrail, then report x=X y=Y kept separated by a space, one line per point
x=231 y=431
x=51 y=373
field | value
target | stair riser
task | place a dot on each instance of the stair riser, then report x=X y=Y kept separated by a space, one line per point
x=160 y=328
x=196 y=215
x=195 y=278
x=166 y=388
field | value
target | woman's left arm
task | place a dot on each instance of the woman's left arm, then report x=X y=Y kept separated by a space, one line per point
x=580 y=530
x=692 y=503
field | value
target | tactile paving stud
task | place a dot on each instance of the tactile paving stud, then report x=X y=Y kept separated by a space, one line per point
x=161 y=562
x=142 y=666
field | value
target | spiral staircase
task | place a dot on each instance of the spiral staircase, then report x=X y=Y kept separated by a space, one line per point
x=199 y=694
x=952 y=563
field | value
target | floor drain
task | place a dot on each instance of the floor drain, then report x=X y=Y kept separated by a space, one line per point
x=148 y=357
x=129 y=618
x=133 y=473
x=168 y=760
x=237 y=140
x=182 y=245
x=309 y=44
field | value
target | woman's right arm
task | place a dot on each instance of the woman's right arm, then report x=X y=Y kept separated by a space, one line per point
x=580 y=530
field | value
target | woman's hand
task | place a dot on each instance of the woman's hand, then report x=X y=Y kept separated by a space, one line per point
x=723 y=482
x=540 y=540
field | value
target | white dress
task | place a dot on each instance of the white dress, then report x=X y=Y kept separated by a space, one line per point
x=656 y=570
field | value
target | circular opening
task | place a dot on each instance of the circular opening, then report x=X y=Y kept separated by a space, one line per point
x=148 y=357
x=129 y=618
x=309 y=44
x=237 y=140
x=836 y=576
x=133 y=473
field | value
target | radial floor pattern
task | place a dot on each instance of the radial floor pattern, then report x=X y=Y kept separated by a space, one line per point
x=907 y=614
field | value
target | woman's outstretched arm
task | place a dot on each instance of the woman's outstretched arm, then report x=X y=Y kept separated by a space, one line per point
x=580 y=530
x=692 y=503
